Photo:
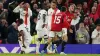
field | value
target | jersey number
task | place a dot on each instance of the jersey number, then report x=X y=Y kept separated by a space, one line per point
x=57 y=19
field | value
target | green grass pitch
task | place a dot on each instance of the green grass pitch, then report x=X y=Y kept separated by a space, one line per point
x=49 y=55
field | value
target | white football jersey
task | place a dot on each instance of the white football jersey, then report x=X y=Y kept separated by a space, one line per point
x=40 y=19
x=22 y=15
x=25 y=31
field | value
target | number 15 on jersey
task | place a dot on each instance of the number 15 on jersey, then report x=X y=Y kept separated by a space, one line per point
x=57 y=19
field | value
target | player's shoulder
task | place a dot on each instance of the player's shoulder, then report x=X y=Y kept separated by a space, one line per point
x=43 y=11
x=50 y=9
x=21 y=27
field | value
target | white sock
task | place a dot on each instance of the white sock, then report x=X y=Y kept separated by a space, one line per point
x=30 y=49
x=37 y=47
x=49 y=48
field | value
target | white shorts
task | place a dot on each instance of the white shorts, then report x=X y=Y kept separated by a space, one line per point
x=60 y=34
x=42 y=32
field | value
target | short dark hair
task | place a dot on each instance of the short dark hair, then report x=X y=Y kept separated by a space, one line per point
x=70 y=4
x=54 y=2
x=20 y=21
x=63 y=8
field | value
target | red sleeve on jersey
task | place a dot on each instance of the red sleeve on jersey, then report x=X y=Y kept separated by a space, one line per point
x=69 y=16
x=65 y=23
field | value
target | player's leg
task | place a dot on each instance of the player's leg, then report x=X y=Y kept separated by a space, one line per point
x=21 y=46
x=56 y=41
x=64 y=40
x=29 y=49
x=39 y=39
x=49 y=42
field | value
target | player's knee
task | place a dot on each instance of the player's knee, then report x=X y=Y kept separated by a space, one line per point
x=65 y=38
x=45 y=39
x=64 y=31
x=49 y=40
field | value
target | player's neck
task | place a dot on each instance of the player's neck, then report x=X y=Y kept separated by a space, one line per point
x=54 y=8
x=70 y=11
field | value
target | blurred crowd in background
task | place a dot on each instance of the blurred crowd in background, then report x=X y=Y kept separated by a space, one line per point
x=85 y=23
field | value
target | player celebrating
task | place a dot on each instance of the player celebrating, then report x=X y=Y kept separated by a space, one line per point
x=65 y=27
x=62 y=32
x=24 y=38
x=51 y=15
x=58 y=25
x=40 y=27
x=70 y=12
x=25 y=14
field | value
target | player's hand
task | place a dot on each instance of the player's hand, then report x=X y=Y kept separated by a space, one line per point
x=5 y=10
x=70 y=30
x=24 y=46
x=43 y=25
x=98 y=35
x=21 y=4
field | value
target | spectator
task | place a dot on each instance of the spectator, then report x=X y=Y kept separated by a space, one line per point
x=95 y=4
x=66 y=3
x=81 y=13
x=85 y=7
x=96 y=35
x=33 y=25
x=3 y=12
x=33 y=1
x=98 y=10
x=38 y=2
x=76 y=18
x=35 y=10
x=91 y=28
x=82 y=35
x=12 y=34
x=59 y=4
x=98 y=1
x=94 y=14
x=97 y=21
x=87 y=22
x=3 y=31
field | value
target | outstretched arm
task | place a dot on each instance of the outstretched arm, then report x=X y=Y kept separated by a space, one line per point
x=17 y=9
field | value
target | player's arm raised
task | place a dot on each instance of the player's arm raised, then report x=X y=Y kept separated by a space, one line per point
x=17 y=9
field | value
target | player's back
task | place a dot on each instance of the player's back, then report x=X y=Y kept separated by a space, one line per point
x=40 y=15
x=25 y=32
x=40 y=19
x=57 y=22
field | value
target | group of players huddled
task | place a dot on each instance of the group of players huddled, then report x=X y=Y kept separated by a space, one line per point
x=52 y=25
